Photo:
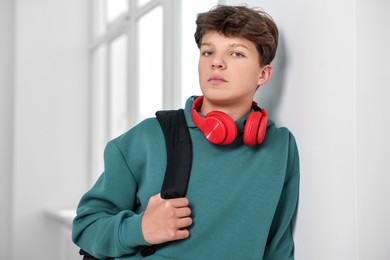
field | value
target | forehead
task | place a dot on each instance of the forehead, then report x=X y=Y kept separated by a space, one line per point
x=216 y=39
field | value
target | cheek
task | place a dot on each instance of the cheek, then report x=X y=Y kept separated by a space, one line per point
x=201 y=69
x=251 y=76
x=247 y=72
x=253 y=72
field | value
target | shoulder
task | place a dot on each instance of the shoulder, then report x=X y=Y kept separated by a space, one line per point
x=282 y=140
x=146 y=126
x=279 y=134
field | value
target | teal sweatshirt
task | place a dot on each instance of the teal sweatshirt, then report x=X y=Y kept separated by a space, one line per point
x=243 y=198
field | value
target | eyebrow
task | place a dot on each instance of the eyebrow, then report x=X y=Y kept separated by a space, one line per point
x=207 y=44
x=238 y=45
x=230 y=45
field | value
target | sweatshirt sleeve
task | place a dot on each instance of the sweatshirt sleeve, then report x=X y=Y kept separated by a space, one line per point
x=280 y=244
x=106 y=225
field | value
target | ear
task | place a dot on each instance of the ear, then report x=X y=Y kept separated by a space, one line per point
x=265 y=75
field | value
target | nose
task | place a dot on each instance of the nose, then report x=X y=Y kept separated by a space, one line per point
x=218 y=63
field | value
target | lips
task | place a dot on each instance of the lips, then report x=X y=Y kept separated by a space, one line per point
x=216 y=79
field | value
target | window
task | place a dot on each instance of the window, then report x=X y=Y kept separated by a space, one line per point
x=137 y=64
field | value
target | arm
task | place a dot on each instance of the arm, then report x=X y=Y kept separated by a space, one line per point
x=106 y=225
x=280 y=244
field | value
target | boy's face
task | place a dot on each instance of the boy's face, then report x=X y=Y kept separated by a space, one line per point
x=229 y=69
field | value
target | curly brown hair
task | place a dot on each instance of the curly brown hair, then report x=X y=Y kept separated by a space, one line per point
x=240 y=21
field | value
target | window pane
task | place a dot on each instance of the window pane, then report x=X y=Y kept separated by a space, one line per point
x=98 y=92
x=150 y=45
x=118 y=87
x=116 y=8
x=98 y=18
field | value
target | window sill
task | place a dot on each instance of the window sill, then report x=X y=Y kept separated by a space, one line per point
x=63 y=216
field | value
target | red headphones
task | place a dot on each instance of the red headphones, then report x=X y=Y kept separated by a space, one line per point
x=219 y=128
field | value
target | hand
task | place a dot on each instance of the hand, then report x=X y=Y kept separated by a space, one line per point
x=166 y=220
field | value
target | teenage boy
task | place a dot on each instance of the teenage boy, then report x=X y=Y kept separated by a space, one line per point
x=243 y=190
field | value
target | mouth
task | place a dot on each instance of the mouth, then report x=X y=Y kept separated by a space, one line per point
x=216 y=80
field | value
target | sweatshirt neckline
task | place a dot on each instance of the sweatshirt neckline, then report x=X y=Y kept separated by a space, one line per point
x=188 y=106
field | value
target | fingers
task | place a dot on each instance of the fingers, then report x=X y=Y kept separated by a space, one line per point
x=182 y=234
x=166 y=220
x=182 y=212
x=183 y=223
x=179 y=202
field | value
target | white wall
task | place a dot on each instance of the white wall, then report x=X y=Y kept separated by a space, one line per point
x=50 y=121
x=372 y=80
x=6 y=124
x=330 y=88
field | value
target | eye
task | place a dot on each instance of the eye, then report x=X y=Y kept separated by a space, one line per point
x=237 y=54
x=207 y=53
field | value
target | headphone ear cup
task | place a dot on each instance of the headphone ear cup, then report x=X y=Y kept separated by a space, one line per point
x=219 y=128
x=251 y=128
x=263 y=127
x=255 y=128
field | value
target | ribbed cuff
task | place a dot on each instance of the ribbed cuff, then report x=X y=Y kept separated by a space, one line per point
x=131 y=232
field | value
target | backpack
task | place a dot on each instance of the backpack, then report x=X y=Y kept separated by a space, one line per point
x=179 y=161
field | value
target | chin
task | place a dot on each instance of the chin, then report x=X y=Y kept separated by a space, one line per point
x=214 y=92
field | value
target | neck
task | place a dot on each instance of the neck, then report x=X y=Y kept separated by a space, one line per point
x=234 y=110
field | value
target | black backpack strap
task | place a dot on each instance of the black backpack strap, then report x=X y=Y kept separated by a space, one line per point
x=179 y=160
x=179 y=153
x=87 y=256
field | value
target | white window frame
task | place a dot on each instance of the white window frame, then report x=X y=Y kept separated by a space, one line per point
x=126 y=23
